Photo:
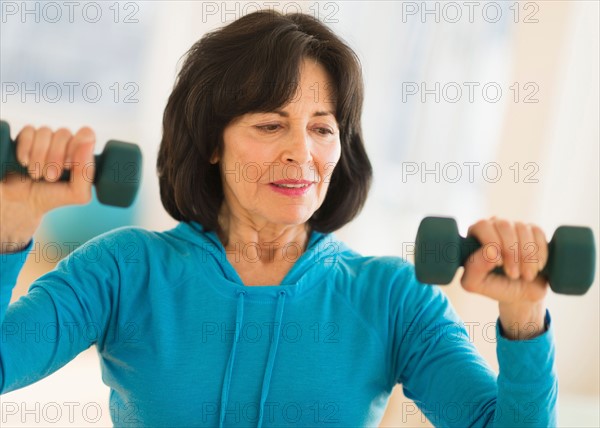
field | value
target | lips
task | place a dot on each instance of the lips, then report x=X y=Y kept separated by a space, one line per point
x=292 y=182
x=291 y=187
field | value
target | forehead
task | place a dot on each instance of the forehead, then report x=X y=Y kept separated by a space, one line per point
x=313 y=68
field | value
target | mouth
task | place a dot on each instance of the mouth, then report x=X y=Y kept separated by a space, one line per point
x=290 y=188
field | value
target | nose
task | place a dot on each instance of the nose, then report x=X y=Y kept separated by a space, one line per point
x=297 y=148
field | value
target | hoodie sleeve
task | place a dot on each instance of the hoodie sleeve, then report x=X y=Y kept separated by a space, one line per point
x=64 y=312
x=441 y=370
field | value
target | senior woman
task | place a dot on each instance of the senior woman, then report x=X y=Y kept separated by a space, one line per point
x=251 y=312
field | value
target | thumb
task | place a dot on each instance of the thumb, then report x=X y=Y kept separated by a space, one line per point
x=478 y=266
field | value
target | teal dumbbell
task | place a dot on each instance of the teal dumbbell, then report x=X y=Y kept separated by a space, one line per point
x=117 y=169
x=440 y=250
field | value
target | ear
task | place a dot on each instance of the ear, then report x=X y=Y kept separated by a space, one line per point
x=214 y=158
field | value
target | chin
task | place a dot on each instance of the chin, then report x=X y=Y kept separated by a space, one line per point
x=293 y=217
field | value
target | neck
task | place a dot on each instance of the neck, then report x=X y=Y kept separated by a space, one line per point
x=262 y=243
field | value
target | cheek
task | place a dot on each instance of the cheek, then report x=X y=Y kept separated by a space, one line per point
x=243 y=171
x=328 y=161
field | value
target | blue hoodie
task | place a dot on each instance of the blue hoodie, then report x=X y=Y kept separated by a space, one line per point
x=183 y=342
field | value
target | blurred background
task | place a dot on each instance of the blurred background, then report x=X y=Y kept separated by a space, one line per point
x=472 y=109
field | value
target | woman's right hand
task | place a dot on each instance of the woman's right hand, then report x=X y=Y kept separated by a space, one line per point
x=24 y=200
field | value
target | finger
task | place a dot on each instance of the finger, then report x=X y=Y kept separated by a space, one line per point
x=485 y=259
x=527 y=248
x=37 y=154
x=510 y=247
x=24 y=143
x=83 y=170
x=490 y=241
x=541 y=246
x=71 y=149
x=56 y=154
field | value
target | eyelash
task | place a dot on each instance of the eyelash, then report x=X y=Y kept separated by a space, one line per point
x=264 y=129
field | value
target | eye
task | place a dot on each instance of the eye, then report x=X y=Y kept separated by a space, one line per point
x=268 y=128
x=324 y=131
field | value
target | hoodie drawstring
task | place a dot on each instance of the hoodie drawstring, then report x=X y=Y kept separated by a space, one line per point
x=270 y=361
x=227 y=379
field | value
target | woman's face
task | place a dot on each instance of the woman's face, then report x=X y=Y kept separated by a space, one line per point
x=298 y=144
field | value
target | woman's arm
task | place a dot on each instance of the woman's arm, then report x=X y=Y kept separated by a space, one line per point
x=64 y=312
x=441 y=370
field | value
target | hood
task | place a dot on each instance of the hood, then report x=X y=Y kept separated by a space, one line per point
x=322 y=254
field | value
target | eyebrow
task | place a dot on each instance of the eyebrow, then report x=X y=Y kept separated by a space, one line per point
x=317 y=113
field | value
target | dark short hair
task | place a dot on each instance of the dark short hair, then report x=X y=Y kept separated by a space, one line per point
x=252 y=65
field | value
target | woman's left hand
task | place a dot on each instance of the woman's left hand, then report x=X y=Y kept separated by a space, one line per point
x=522 y=251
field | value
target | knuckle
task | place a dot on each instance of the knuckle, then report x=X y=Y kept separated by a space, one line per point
x=41 y=139
x=44 y=130
x=86 y=132
x=537 y=230
x=521 y=227
x=27 y=132
x=62 y=134
x=478 y=225
x=503 y=225
x=58 y=144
